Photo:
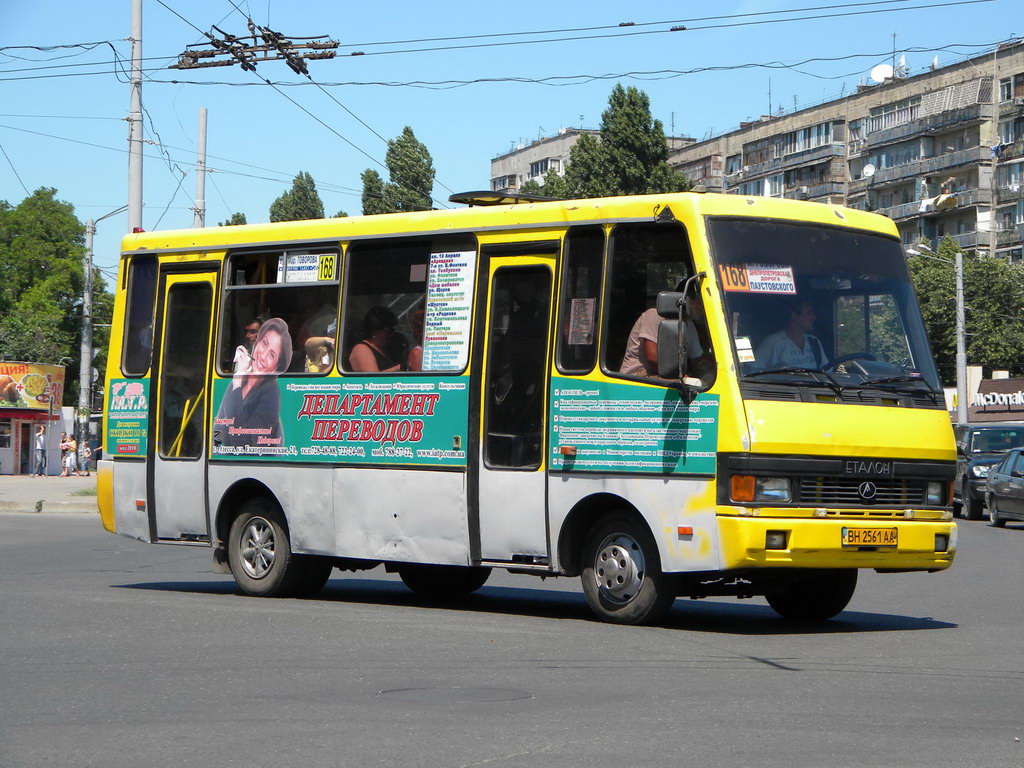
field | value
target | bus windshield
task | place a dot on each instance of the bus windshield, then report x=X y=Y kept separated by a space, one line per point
x=821 y=305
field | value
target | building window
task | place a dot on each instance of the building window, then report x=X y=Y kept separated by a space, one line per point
x=733 y=164
x=1006 y=89
x=897 y=113
x=539 y=168
x=504 y=183
x=5 y=433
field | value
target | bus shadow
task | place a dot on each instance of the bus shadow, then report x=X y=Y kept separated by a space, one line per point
x=733 y=618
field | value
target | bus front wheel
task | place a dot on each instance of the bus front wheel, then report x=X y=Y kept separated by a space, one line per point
x=259 y=553
x=622 y=575
x=814 y=596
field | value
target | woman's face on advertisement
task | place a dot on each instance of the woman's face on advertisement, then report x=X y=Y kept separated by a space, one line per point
x=267 y=352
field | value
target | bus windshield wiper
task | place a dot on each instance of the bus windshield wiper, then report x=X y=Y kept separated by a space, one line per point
x=904 y=379
x=819 y=375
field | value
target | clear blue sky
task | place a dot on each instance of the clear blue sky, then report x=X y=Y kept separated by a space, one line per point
x=62 y=115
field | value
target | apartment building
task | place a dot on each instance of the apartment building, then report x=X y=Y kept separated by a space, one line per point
x=941 y=153
x=533 y=161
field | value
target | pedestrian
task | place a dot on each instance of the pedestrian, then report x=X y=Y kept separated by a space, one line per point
x=83 y=471
x=63 y=454
x=40 y=445
x=71 y=457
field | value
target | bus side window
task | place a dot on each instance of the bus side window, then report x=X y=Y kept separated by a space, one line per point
x=299 y=286
x=645 y=260
x=138 y=328
x=387 y=325
x=581 y=286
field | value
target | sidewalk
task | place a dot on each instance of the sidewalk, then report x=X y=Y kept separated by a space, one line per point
x=20 y=493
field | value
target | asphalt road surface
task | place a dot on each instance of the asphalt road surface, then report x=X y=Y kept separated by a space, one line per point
x=117 y=653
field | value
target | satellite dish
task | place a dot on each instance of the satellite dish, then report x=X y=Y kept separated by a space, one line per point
x=881 y=73
x=868 y=171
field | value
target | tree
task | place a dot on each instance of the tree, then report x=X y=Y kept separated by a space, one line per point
x=236 y=219
x=300 y=202
x=42 y=250
x=994 y=309
x=629 y=158
x=373 y=193
x=411 y=178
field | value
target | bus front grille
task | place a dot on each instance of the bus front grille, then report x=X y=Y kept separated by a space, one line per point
x=852 y=492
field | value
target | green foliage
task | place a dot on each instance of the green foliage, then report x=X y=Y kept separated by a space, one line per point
x=42 y=250
x=300 y=202
x=373 y=193
x=411 y=178
x=340 y=215
x=994 y=309
x=629 y=158
x=235 y=220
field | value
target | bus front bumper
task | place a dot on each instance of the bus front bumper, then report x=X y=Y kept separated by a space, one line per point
x=791 y=542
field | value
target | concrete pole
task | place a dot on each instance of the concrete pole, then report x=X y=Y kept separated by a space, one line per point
x=135 y=124
x=200 y=209
x=85 y=356
x=961 y=342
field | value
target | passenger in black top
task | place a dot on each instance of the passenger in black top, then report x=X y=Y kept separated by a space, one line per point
x=371 y=354
x=250 y=414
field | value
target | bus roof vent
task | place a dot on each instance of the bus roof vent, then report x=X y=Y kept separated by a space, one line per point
x=497 y=198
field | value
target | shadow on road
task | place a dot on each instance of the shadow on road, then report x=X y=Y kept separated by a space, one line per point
x=733 y=617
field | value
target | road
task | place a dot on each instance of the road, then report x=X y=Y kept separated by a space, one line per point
x=117 y=653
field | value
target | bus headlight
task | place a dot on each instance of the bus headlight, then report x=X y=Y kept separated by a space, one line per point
x=769 y=489
x=933 y=494
x=747 y=488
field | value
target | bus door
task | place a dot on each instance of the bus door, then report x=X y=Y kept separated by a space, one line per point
x=177 y=471
x=512 y=498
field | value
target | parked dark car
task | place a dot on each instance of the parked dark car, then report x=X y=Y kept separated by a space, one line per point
x=1005 y=496
x=978 y=448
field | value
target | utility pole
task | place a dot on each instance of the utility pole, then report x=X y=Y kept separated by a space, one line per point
x=961 y=341
x=200 y=218
x=85 y=350
x=135 y=124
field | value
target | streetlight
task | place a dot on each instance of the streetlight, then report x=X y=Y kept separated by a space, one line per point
x=85 y=352
x=961 y=348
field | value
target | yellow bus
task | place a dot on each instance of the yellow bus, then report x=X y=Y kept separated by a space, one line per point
x=667 y=395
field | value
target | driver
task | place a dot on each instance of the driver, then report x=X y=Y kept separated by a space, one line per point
x=794 y=346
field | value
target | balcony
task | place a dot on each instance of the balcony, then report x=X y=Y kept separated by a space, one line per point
x=964 y=199
x=1011 y=108
x=1008 y=237
x=1009 y=194
x=923 y=167
x=922 y=125
x=804 y=157
x=816 y=191
x=1012 y=151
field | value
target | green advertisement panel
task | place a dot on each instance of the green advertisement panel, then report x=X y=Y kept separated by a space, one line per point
x=612 y=427
x=399 y=420
x=127 y=422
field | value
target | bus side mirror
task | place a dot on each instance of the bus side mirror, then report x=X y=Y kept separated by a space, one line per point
x=672 y=358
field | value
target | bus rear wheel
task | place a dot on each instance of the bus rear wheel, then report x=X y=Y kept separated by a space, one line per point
x=440 y=581
x=622 y=577
x=814 y=596
x=259 y=554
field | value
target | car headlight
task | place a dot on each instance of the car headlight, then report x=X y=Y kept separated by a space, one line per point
x=980 y=470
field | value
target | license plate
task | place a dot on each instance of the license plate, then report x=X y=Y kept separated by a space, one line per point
x=869 y=537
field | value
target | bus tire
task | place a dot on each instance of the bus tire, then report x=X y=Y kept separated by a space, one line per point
x=259 y=554
x=315 y=571
x=814 y=596
x=440 y=581
x=622 y=576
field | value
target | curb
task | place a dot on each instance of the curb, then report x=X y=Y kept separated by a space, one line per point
x=50 y=507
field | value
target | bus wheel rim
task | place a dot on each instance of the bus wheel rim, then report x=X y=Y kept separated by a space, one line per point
x=257 y=548
x=619 y=568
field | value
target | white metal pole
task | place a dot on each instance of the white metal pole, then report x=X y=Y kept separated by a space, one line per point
x=961 y=342
x=135 y=124
x=200 y=209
